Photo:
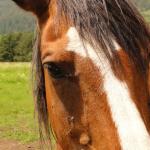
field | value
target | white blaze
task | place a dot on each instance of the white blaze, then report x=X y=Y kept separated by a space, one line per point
x=130 y=126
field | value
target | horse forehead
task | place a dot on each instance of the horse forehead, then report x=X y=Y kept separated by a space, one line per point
x=76 y=44
x=84 y=49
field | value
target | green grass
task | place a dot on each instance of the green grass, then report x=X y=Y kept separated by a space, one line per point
x=16 y=105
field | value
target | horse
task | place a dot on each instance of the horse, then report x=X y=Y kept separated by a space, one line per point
x=91 y=74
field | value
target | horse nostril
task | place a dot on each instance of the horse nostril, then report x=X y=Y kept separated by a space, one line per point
x=84 y=139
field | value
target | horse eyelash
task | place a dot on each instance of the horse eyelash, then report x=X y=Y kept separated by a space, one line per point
x=60 y=73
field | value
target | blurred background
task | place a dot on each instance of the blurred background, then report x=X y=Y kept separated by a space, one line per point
x=18 y=128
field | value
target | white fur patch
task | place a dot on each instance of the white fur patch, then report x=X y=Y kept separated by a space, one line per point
x=131 y=128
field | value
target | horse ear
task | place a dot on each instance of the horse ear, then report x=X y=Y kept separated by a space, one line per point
x=35 y=6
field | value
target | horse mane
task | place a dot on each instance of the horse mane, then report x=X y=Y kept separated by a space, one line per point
x=98 y=22
x=39 y=95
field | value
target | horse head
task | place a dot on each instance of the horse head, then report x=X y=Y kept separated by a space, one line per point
x=91 y=70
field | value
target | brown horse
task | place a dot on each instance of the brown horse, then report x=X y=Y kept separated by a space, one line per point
x=91 y=69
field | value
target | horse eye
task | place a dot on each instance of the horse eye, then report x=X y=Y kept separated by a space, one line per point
x=54 y=70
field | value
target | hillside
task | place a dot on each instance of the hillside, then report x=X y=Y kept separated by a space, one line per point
x=143 y=4
x=13 y=19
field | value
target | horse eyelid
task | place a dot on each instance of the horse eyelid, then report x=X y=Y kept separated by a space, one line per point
x=61 y=74
x=55 y=71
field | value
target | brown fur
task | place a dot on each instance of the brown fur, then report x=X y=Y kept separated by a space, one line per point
x=38 y=7
x=76 y=106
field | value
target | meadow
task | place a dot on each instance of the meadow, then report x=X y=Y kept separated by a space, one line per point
x=17 y=120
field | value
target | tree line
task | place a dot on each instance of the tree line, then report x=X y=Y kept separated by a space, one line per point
x=16 y=47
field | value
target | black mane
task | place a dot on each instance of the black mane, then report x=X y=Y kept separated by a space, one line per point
x=100 y=21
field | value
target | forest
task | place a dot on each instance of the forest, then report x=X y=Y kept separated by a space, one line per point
x=17 y=30
x=16 y=47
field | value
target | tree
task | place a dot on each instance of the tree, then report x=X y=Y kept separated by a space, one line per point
x=16 y=47
x=23 y=51
x=7 y=46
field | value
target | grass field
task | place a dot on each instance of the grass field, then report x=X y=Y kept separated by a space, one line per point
x=16 y=105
